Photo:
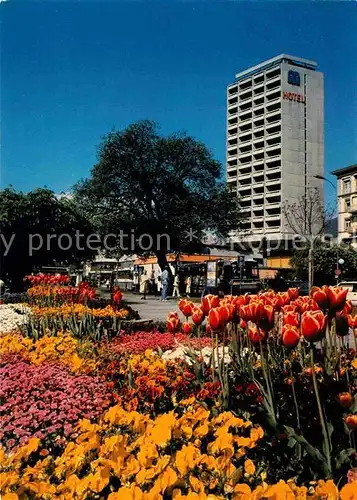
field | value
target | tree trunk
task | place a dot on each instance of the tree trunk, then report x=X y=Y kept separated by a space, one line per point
x=162 y=260
x=311 y=266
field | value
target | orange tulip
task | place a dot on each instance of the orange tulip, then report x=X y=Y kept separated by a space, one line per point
x=186 y=307
x=186 y=328
x=351 y=422
x=348 y=307
x=214 y=319
x=197 y=316
x=313 y=325
x=209 y=302
x=290 y=308
x=345 y=399
x=336 y=297
x=291 y=318
x=256 y=335
x=290 y=336
x=173 y=322
x=352 y=321
x=267 y=322
x=293 y=293
x=320 y=296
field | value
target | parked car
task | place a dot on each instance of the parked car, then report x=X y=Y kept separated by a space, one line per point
x=352 y=290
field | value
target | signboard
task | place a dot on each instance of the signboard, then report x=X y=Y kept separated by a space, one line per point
x=293 y=78
x=211 y=273
x=292 y=96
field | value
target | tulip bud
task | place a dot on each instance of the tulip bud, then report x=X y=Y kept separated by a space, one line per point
x=256 y=335
x=351 y=422
x=197 y=316
x=186 y=328
x=345 y=399
x=313 y=325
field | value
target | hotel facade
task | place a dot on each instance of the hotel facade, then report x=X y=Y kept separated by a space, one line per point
x=275 y=141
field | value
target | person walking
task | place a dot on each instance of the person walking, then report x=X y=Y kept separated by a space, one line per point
x=188 y=286
x=158 y=285
x=176 y=291
x=144 y=280
x=165 y=278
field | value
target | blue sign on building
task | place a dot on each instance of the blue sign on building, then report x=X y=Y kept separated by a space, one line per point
x=293 y=77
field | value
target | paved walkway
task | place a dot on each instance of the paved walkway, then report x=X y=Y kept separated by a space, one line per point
x=152 y=307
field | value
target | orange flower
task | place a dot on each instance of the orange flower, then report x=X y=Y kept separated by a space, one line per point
x=197 y=315
x=290 y=336
x=291 y=318
x=352 y=321
x=320 y=296
x=336 y=297
x=293 y=293
x=215 y=319
x=173 y=322
x=186 y=307
x=313 y=325
x=345 y=399
x=209 y=302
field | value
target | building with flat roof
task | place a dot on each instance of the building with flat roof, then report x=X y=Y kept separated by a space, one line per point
x=275 y=141
x=347 y=204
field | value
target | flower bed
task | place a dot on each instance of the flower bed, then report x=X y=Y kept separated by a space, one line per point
x=262 y=405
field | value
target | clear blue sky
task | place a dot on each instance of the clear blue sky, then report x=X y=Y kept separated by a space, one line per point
x=71 y=71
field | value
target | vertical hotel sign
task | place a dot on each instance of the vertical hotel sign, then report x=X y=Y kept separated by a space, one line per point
x=293 y=79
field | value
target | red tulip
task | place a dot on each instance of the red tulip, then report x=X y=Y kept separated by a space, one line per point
x=336 y=297
x=290 y=336
x=256 y=335
x=186 y=328
x=351 y=422
x=214 y=319
x=313 y=325
x=278 y=302
x=293 y=293
x=173 y=322
x=209 y=302
x=320 y=296
x=256 y=311
x=289 y=308
x=345 y=399
x=243 y=324
x=197 y=315
x=348 y=308
x=186 y=307
x=291 y=318
x=267 y=322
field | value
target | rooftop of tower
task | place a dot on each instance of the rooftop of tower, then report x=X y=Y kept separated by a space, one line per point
x=296 y=61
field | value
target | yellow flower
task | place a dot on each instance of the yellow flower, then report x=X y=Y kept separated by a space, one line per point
x=10 y=496
x=242 y=492
x=249 y=467
x=354 y=363
x=186 y=458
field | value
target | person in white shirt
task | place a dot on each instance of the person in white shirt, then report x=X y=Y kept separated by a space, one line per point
x=176 y=291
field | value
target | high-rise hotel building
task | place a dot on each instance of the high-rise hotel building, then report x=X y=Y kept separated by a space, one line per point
x=275 y=141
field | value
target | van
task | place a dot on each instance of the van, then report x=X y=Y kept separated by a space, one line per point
x=352 y=290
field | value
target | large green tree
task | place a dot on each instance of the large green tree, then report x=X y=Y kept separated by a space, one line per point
x=39 y=229
x=147 y=183
x=325 y=258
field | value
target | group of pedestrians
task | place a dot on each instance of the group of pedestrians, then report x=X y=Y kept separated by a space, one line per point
x=163 y=284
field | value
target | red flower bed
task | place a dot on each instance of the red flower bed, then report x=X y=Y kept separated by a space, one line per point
x=138 y=342
x=45 y=401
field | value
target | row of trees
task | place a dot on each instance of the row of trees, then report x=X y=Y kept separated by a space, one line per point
x=144 y=182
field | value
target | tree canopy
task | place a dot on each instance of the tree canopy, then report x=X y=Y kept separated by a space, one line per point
x=147 y=183
x=325 y=263
x=38 y=229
